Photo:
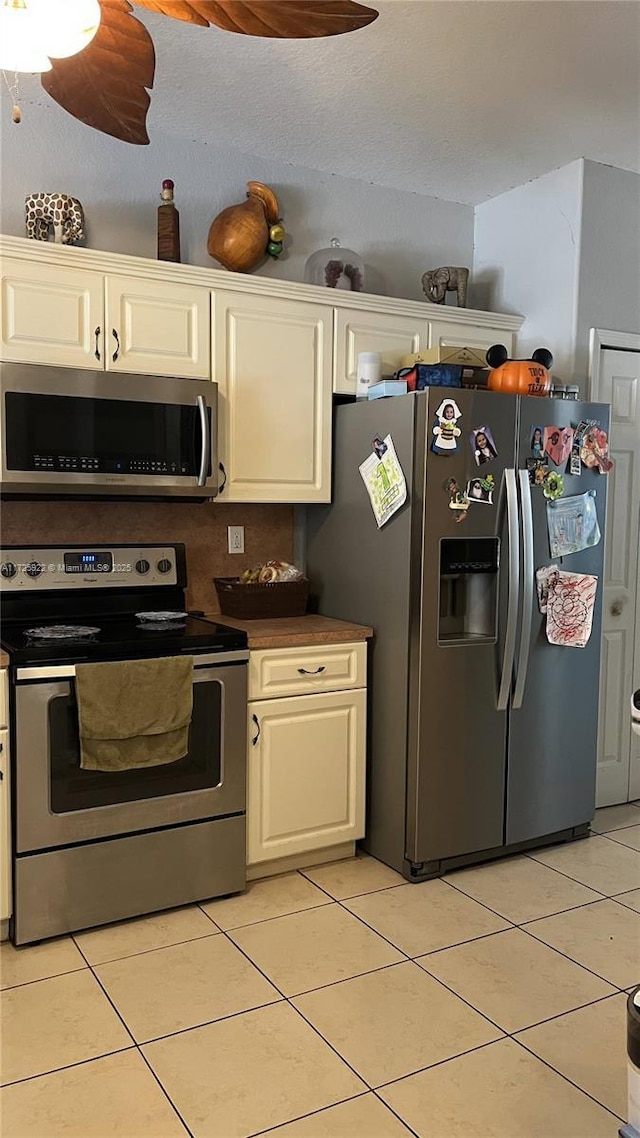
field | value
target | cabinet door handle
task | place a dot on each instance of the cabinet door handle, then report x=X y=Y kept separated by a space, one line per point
x=224 y=477
x=316 y=672
x=257 y=734
x=97 y=336
x=117 y=340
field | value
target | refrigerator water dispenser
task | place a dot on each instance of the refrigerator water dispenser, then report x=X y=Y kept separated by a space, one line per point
x=468 y=590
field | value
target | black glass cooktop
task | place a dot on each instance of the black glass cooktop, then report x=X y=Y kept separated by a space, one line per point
x=118 y=638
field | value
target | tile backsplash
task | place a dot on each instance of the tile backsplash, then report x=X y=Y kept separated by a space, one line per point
x=201 y=527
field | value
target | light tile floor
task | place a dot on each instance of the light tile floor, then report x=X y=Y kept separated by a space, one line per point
x=341 y=1002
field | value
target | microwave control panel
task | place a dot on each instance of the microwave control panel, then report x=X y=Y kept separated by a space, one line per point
x=80 y=464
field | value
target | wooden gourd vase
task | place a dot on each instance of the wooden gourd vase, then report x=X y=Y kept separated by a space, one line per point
x=239 y=236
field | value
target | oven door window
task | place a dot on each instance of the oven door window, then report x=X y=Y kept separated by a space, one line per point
x=73 y=788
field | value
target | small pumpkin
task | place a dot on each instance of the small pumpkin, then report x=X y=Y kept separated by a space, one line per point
x=519 y=377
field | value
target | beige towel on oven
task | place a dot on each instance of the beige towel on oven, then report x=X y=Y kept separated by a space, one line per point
x=134 y=713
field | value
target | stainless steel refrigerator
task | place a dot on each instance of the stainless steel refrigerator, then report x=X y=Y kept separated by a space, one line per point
x=482 y=734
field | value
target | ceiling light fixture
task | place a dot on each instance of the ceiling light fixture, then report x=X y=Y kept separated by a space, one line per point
x=32 y=31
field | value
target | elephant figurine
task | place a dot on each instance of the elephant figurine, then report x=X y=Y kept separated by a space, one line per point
x=58 y=212
x=437 y=282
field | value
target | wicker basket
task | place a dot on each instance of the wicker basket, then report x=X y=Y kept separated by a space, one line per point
x=261 y=600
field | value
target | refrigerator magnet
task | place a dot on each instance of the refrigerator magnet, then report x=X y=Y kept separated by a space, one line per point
x=446 y=432
x=570 y=604
x=483 y=445
x=458 y=501
x=594 y=450
x=384 y=479
x=537 y=442
x=538 y=469
x=553 y=485
x=481 y=490
x=557 y=444
x=379 y=447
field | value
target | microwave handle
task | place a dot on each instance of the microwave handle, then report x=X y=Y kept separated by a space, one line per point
x=206 y=441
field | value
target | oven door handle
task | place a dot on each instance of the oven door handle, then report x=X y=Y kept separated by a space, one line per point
x=68 y=671
x=205 y=455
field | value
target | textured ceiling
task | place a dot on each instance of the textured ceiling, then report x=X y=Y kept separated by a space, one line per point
x=460 y=99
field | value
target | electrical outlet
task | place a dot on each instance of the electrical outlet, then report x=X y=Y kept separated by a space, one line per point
x=235 y=538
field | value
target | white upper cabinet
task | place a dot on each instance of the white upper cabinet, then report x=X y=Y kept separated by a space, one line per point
x=272 y=364
x=157 y=328
x=69 y=317
x=357 y=331
x=51 y=315
x=445 y=334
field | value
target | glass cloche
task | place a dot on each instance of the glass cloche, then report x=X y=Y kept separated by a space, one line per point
x=335 y=267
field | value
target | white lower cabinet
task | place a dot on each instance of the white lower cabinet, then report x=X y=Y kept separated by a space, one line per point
x=306 y=773
x=5 y=803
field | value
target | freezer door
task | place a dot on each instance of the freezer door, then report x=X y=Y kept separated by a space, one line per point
x=459 y=607
x=551 y=766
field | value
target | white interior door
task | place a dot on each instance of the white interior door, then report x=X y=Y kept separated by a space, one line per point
x=616 y=380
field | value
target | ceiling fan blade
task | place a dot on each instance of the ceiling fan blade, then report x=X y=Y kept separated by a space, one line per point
x=105 y=86
x=276 y=19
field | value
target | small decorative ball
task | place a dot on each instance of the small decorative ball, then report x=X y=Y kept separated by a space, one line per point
x=276 y=233
x=274 y=248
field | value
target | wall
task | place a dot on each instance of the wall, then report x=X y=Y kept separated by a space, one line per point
x=565 y=251
x=202 y=527
x=526 y=257
x=398 y=234
x=609 y=278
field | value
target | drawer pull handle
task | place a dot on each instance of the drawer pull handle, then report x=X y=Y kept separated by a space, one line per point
x=117 y=340
x=224 y=477
x=97 y=348
x=257 y=734
x=306 y=672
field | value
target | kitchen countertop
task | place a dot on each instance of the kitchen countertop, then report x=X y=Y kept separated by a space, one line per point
x=295 y=631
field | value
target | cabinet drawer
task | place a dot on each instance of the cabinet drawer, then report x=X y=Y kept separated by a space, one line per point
x=299 y=671
x=4 y=697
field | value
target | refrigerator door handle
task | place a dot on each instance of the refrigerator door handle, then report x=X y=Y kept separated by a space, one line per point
x=527 y=589
x=514 y=590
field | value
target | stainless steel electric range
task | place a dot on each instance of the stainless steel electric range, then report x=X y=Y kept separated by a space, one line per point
x=90 y=847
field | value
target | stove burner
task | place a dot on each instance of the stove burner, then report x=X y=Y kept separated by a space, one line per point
x=158 y=617
x=62 y=632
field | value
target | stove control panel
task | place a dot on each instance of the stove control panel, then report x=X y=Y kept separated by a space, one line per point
x=45 y=568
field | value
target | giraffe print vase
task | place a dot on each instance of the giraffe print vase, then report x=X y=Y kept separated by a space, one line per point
x=58 y=212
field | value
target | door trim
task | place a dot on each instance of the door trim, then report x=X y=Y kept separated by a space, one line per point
x=599 y=339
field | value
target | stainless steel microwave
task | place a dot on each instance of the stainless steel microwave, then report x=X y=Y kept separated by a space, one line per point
x=79 y=432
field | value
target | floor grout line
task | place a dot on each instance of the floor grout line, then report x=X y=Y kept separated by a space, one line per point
x=310 y=1114
x=68 y=1066
x=40 y=979
x=568 y=1080
x=146 y=951
x=165 y=1092
x=571 y=960
x=277 y=917
x=604 y=896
